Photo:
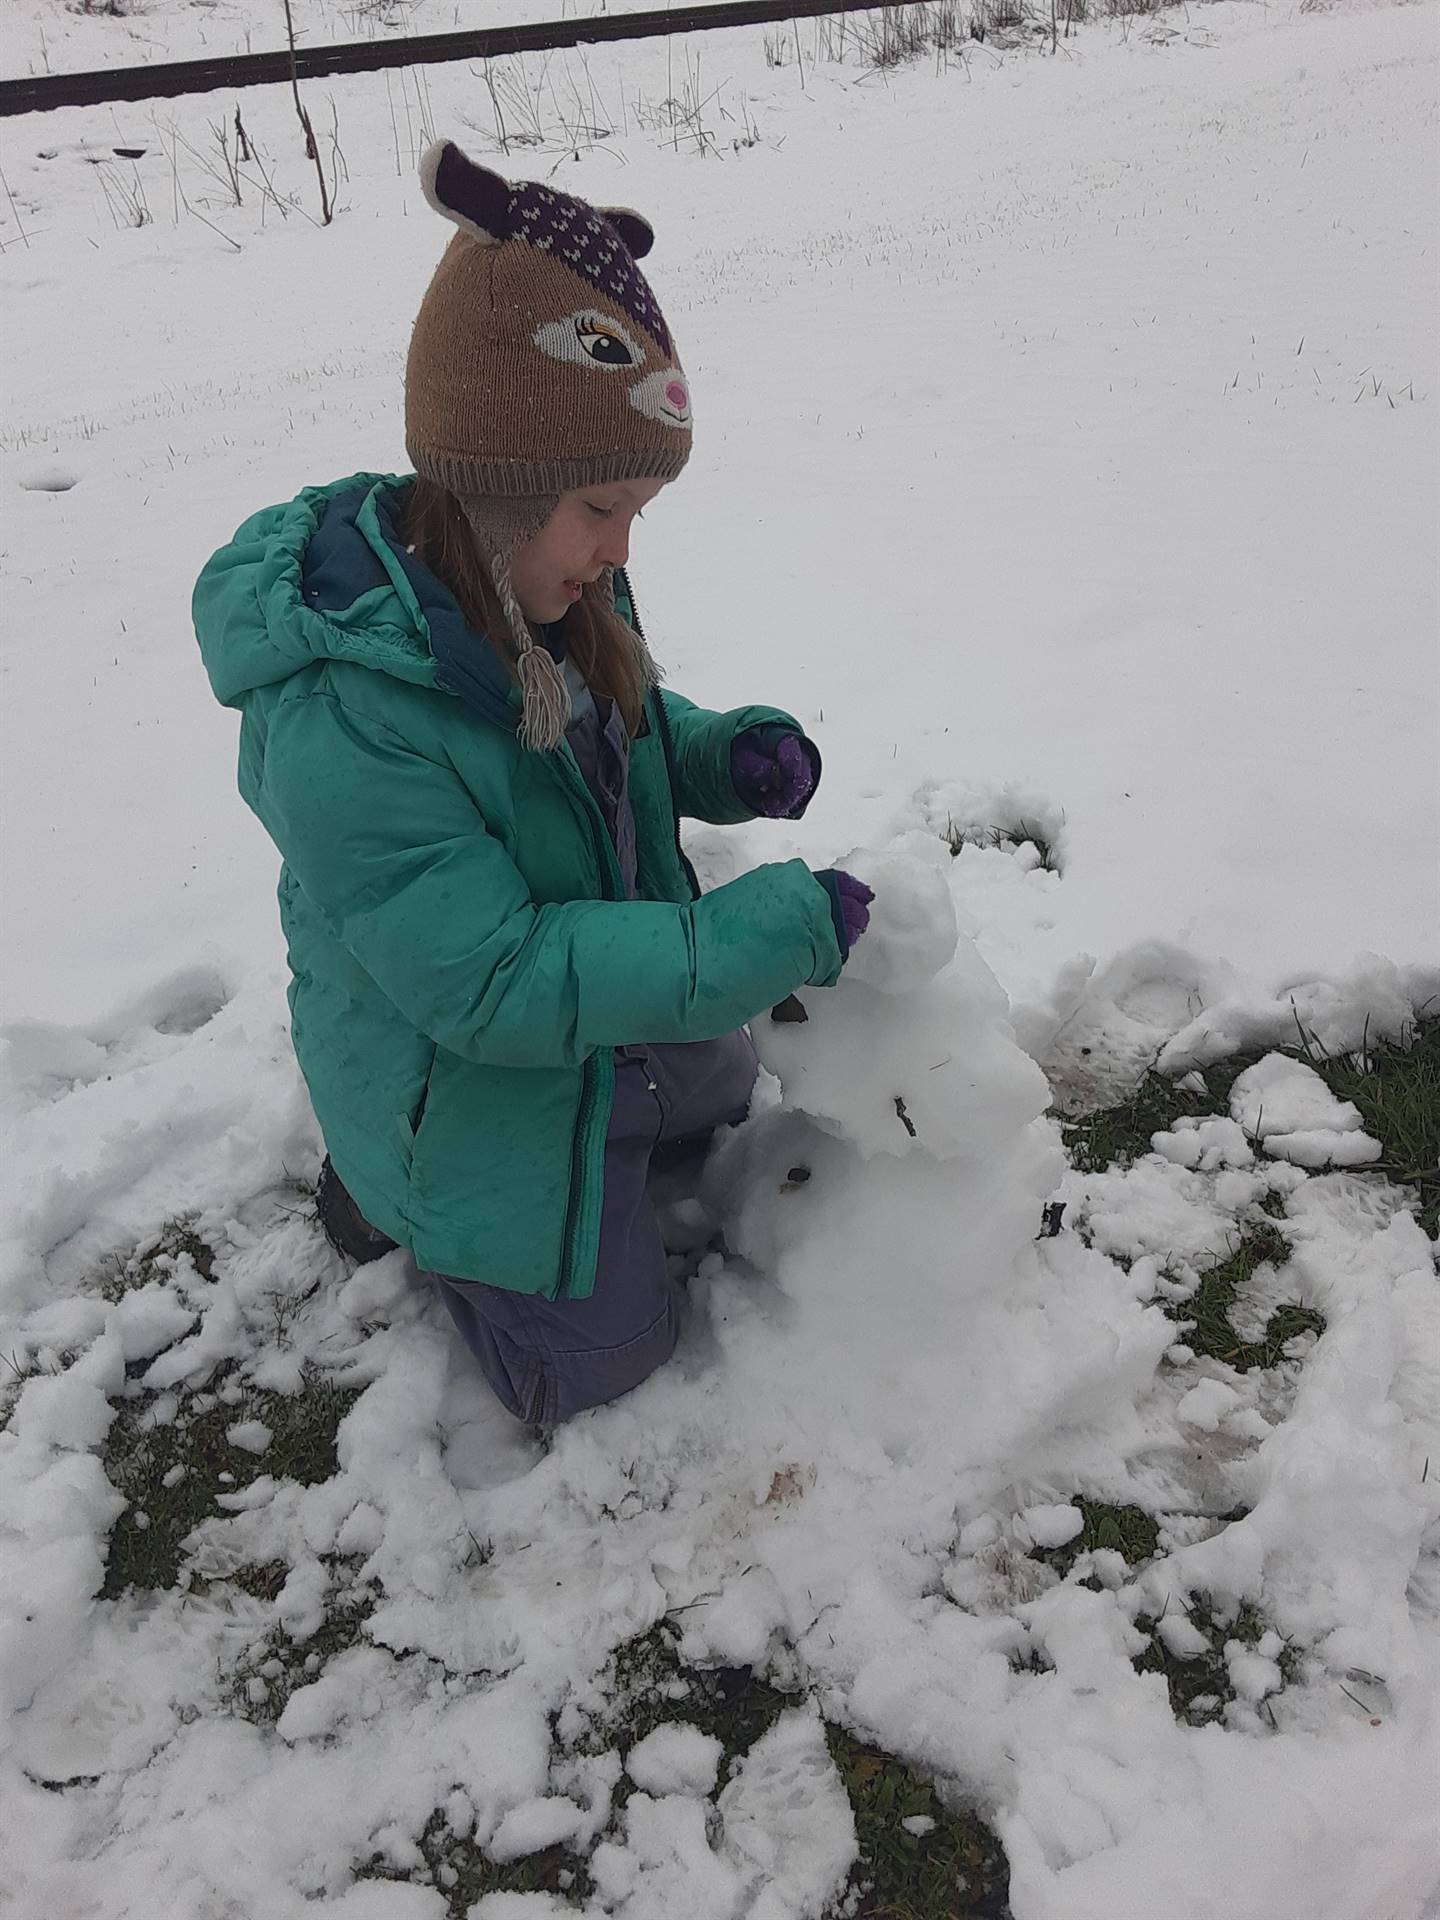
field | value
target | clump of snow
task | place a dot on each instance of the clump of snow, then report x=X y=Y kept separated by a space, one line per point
x=1279 y=1095
x=1253 y=1673
x=1051 y=1526
x=150 y=1319
x=547 y=1821
x=316 y=1711
x=300 y=1604
x=521 y=1906
x=1206 y=1405
x=1204 y=1144
x=250 y=1436
x=675 y=1759
x=1181 y=1637
x=788 y=1824
x=1319 y=1147
x=786 y=1837
x=1287 y=1106
x=394 y=1900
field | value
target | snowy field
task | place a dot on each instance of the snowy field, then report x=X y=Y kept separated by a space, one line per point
x=1067 y=461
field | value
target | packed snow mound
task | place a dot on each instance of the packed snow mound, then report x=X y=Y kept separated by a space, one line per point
x=890 y=1185
x=912 y=1050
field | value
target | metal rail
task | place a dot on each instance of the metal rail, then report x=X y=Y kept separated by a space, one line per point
x=41 y=92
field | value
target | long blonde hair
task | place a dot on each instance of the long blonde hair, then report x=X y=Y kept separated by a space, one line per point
x=609 y=656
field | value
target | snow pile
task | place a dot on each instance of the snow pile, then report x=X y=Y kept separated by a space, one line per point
x=889 y=1402
x=894 y=1191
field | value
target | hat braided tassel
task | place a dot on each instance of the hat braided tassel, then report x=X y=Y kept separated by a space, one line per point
x=545 y=699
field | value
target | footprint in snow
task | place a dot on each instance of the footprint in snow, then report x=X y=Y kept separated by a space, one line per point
x=49 y=479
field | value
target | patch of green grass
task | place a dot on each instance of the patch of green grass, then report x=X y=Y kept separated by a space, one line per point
x=1120 y=1135
x=1205 y=1316
x=263 y=1683
x=1283 y=1326
x=648 y=1687
x=173 y=1474
x=262 y=1581
x=1126 y=1530
x=954 y=1868
x=1396 y=1086
x=1199 y=1684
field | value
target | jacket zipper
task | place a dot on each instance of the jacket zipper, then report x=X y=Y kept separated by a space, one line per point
x=667 y=744
x=587 y=1072
x=582 y=1118
x=587 y=1076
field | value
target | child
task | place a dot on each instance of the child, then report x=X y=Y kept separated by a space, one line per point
x=507 y=990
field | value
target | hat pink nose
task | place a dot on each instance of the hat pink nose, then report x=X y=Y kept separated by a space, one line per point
x=677 y=396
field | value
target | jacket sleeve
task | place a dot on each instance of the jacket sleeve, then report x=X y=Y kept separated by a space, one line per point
x=702 y=755
x=389 y=845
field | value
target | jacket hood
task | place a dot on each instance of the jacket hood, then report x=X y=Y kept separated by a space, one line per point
x=327 y=577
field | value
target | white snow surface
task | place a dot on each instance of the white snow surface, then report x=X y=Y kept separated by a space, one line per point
x=1102 y=406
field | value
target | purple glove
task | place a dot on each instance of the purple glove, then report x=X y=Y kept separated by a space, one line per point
x=849 y=906
x=773 y=771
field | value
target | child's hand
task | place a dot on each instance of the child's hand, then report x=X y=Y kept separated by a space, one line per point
x=849 y=905
x=773 y=772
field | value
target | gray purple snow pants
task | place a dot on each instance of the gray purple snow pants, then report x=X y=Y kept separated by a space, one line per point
x=549 y=1359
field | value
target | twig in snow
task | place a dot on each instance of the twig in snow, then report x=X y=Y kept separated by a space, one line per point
x=312 y=151
x=20 y=225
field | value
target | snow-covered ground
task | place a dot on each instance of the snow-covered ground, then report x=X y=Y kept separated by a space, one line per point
x=1066 y=460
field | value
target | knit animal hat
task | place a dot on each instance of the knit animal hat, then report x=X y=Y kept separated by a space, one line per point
x=539 y=362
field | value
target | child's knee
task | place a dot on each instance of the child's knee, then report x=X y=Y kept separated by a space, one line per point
x=569 y=1383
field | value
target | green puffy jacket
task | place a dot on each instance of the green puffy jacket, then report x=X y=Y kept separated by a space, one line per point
x=464 y=962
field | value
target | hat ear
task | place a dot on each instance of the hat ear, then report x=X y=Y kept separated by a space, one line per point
x=633 y=228
x=477 y=200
